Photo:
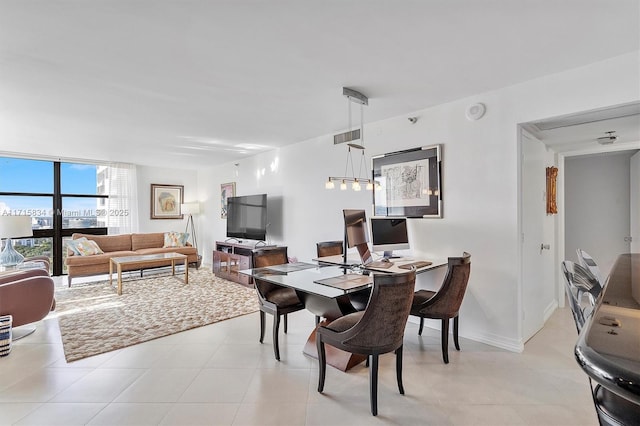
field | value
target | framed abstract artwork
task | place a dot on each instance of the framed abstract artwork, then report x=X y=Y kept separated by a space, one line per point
x=166 y=201
x=226 y=190
x=408 y=183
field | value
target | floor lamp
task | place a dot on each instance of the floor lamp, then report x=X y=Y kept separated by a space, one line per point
x=13 y=227
x=191 y=209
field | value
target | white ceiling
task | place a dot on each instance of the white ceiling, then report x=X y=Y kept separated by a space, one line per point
x=199 y=83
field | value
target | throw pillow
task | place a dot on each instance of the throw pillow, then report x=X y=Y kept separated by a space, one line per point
x=175 y=239
x=73 y=245
x=88 y=248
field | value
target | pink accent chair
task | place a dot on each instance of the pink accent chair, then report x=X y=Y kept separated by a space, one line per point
x=27 y=295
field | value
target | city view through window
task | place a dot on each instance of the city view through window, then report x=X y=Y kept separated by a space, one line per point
x=60 y=198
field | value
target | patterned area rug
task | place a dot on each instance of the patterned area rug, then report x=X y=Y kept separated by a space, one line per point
x=94 y=319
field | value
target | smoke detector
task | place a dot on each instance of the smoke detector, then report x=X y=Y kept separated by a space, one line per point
x=610 y=138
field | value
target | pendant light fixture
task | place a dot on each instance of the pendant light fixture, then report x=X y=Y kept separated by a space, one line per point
x=355 y=141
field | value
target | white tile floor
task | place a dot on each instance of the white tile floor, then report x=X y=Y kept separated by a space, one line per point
x=221 y=375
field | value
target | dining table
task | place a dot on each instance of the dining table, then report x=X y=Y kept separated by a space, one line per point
x=328 y=291
x=608 y=348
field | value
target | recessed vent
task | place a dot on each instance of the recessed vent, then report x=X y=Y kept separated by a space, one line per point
x=352 y=135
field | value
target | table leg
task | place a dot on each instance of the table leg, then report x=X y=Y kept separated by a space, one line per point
x=110 y=273
x=337 y=358
x=186 y=270
x=173 y=266
x=119 y=280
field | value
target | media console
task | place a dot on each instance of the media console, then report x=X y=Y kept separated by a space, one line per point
x=229 y=258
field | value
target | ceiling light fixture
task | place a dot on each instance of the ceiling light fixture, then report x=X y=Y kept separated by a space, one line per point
x=609 y=139
x=350 y=137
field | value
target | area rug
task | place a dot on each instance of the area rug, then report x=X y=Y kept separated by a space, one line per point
x=94 y=319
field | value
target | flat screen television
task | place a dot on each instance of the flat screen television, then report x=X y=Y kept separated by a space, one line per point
x=388 y=234
x=247 y=217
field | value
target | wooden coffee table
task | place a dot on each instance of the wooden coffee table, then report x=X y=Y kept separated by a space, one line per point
x=159 y=258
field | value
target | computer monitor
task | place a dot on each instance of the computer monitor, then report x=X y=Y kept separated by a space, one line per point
x=356 y=233
x=388 y=234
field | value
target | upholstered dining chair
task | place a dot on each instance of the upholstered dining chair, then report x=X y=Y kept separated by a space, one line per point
x=573 y=291
x=587 y=262
x=612 y=410
x=582 y=280
x=445 y=303
x=377 y=330
x=274 y=299
x=329 y=248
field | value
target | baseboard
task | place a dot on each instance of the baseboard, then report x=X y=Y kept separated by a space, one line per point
x=550 y=309
x=511 y=345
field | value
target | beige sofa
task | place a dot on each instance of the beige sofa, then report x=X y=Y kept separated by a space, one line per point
x=121 y=245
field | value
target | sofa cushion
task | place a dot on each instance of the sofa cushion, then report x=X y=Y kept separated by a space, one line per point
x=175 y=239
x=86 y=247
x=144 y=241
x=97 y=259
x=72 y=245
x=188 y=250
x=109 y=242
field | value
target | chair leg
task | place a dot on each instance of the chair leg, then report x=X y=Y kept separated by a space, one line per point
x=322 y=362
x=421 y=326
x=285 y=323
x=262 y=320
x=373 y=384
x=276 y=347
x=399 y=369
x=366 y=362
x=455 y=333
x=445 y=340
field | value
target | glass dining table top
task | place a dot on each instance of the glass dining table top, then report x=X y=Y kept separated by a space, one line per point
x=327 y=281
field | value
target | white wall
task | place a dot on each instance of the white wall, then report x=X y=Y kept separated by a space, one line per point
x=147 y=176
x=480 y=189
x=597 y=217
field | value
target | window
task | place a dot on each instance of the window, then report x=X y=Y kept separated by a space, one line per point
x=29 y=187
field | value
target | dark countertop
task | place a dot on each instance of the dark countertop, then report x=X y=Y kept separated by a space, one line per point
x=608 y=347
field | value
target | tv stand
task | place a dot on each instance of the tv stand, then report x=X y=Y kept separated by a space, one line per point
x=229 y=258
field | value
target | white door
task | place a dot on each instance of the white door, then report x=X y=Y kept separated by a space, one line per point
x=634 y=197
x=534 y=259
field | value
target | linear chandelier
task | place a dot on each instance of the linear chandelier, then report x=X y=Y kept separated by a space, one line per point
x=353 y=96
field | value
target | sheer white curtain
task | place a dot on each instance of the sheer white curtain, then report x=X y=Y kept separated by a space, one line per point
x=122 y=205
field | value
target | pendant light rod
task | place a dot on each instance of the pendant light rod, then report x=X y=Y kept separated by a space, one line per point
x=355 y=96
x=358 y=98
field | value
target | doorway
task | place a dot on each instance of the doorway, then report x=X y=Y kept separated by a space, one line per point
x=569 y=137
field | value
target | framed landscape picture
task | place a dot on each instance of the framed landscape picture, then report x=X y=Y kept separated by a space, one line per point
x=226 y=190
x=409 y=183
x=166 y=201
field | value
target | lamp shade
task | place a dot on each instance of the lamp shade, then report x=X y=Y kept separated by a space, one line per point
x=190 y=208
x=15 y=226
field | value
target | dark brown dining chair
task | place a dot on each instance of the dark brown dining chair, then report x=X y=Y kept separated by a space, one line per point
x=274 y=299
x=445 y=303
x=378 y=329
x=329 y=248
